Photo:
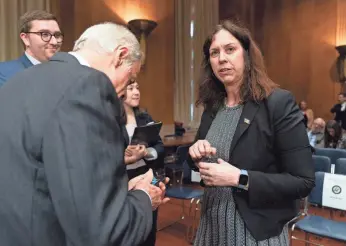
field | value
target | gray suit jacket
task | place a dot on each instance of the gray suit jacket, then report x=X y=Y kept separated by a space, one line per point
x=62 y=178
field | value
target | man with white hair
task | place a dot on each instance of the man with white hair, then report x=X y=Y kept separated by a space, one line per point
x=316 y=134
x=63 y=180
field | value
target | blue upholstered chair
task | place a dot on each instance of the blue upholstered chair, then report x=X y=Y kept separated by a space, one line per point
x=317 y=225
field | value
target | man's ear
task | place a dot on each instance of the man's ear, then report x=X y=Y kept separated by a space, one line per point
x=120 y=54
x=24 y=38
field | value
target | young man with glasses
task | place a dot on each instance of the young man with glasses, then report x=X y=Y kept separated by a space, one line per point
x=41 y=37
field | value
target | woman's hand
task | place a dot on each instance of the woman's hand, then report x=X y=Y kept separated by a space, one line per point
x=219 y=174
x=134 y=153
x=201 y=149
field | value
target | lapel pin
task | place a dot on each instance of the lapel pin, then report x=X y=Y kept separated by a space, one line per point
x=247 y=121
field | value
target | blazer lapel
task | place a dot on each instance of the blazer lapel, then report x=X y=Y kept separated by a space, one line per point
x=245 y=120
x=206 y=125
x=25 y=61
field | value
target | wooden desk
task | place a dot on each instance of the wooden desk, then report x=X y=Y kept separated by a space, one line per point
x=173 y=141
x=178 y=141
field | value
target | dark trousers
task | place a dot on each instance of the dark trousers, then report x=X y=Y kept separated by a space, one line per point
x=150 y=241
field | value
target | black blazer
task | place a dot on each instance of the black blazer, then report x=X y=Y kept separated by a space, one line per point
x=63 y=179
x=340 y=116
x=270 y=142
x=143 y=118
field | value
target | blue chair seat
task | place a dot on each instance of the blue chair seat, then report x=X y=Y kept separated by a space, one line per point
x=323 y=227
x=181 y=192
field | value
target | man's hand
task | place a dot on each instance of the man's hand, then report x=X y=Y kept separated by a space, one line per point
x=156 y=193
x=132 y=183
x=157 y=201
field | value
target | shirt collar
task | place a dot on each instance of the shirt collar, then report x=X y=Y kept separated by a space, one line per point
x=33 y=60
x=80 y=59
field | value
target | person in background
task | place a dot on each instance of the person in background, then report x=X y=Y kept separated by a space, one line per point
x=140 y=158
x=333 y=137
x=308 y=114
x=255 y=133
x=41 y=37
x=316 y=134
x=339 y=110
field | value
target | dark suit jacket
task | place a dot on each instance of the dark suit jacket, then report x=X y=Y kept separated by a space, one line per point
x=271 y=143
x=340 y=116
x=63 y=179
x=10 y=68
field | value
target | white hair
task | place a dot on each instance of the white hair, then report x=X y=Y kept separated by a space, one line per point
x=106 y=37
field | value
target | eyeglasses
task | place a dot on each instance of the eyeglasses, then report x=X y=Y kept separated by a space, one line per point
x=47 y=36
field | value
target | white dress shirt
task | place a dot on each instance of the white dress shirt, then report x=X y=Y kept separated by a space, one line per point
x=33 y=60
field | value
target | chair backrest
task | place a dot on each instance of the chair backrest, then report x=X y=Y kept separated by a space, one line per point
x=333 y=154
x=321 y=163
x=340 y=166
x=315 y=196
x=182 y=154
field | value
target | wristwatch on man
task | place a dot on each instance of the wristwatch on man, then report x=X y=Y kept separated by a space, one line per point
x=243 y=180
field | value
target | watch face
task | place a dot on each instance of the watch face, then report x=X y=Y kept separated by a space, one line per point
x=243 y=179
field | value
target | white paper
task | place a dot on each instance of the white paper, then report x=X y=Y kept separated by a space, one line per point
x=334 y=191
x=195 y=176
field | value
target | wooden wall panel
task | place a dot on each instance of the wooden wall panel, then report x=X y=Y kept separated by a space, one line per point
x=157 y=77
x=298 y=39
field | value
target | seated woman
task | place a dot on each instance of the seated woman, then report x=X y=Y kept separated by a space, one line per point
x=255 y=133
x=139 y=158
x=333 y=137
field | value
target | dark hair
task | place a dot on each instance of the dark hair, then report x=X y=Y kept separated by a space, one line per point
x=330 y=141
x=256 y=85
x=25 y=21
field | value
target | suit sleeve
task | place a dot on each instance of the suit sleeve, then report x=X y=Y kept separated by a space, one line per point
x=83 y=154
x=334 y=109
x=296 y=178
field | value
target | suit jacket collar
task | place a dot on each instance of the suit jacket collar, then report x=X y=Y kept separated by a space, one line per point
x=25 y=61
x=249 y=111
x=64 y=57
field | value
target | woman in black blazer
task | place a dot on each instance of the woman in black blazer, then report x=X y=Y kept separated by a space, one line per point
x=251 y=148
x=139 y=158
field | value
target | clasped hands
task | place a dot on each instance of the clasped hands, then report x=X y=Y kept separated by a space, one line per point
x=213 y=174
x=157 y=194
